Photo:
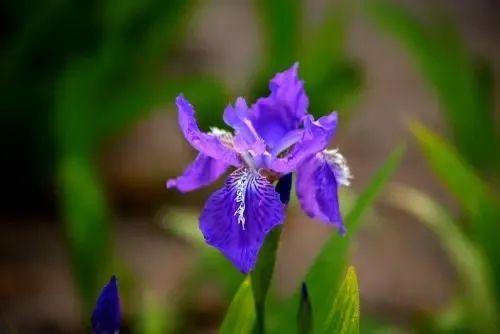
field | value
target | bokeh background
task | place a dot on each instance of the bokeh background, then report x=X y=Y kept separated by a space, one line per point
x=89 y=136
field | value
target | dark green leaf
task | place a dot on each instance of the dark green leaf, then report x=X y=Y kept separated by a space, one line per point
x=305 y=314
x=262 y=274
x=86 y=221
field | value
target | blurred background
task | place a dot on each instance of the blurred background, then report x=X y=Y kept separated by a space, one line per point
x=89 y=136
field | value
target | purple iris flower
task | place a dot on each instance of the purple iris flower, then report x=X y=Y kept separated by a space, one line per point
x=273 y=138
x=106 y=317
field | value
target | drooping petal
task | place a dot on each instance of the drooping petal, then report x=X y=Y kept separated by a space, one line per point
x=237 y=217
x=274 y=116
x=315 y=138
x=201 y=172
x=106 y=317
x=208 y=144
x=317 y=190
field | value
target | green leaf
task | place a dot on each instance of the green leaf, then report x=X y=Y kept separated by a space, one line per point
x=456 y=174
x=472 y=268
x=304 y=316
x=325 y=274
x=343 y=317
x=86 y=219
x=262 y=274
x=154 y=318
x=442 y=57
x=481 y=205
x=281 y=21
x=240 y=316
x=333 y=81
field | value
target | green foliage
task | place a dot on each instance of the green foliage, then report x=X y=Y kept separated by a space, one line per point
x=480 y=204
x=85 y=211
x=463 y=87
x=262 y=274
x=240 y=316
x=325 y=274
x=102 y=93
x=332 y=80
x=154 y=317
x=478 y=295
x=344 y=313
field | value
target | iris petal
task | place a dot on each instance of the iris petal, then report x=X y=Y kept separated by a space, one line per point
x=201 y=172
x=246 y=138
x=237 y=217
x=207 y=144
x=315 y=138
x=106 y=317
x=274 y=116
x=317 y=191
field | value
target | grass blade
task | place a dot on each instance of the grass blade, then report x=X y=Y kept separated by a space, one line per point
x=468 y=260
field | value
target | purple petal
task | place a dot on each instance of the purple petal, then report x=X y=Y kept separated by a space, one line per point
x=246 y=138
x=201 y=172
x=207 y=144
x=289 y=90
x=317 y=191
x=237 y=217
x=106 y=317
x=274 y=116
x=315 y=138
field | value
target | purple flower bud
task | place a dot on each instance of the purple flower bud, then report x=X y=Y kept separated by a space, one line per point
x=106 y=317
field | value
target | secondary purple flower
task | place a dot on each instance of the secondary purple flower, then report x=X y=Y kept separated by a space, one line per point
x=106 y=317
x=270 y=140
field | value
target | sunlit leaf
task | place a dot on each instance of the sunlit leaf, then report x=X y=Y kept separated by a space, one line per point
x=240 y=316
x=343 y=317
x=326 y=273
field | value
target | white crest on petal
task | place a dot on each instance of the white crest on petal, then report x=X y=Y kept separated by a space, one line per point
x=339 y=166
x=224 y=136
x=241 y=189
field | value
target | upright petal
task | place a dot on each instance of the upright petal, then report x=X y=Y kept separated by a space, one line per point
x=318 y=180
x=106 y=317
x=288 y=89
x=237 y=217
x=246 y=138
x=201 y=172
x=274 y=116
x=206 y=143
x=315 y=138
